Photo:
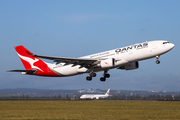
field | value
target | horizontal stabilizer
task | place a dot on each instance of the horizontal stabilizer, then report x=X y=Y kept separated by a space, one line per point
x=27 y=71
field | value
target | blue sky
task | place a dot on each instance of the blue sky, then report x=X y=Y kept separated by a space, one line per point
x=78 y=28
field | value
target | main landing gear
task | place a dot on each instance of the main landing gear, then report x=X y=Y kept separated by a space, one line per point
x=106 y=75
x=92 y=74
x=157 y=61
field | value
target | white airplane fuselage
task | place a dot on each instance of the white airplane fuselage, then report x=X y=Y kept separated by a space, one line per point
x=95 y=96
x=129 y=54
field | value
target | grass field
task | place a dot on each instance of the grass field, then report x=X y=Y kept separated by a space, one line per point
x=90 y=110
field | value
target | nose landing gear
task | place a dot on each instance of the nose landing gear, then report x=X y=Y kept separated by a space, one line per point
x=157 y=61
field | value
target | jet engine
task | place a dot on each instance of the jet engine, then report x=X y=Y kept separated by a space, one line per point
x=107 y=63
x=130 y=66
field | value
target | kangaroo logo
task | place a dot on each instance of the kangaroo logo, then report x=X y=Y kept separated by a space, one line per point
x=30 y=61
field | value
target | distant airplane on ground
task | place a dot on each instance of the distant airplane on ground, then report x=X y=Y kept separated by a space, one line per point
x=95 y=96
x=121 y=58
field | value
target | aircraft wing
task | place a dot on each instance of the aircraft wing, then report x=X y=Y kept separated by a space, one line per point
x=75 y=61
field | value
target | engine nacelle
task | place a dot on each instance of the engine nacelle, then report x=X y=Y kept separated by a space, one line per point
x=107 y=63
x=130 y=66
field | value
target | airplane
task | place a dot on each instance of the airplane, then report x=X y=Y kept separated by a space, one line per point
x=125 y=58
x=95 y=96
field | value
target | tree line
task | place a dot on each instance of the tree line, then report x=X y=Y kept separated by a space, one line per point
x=142 y=97
x=111 y=97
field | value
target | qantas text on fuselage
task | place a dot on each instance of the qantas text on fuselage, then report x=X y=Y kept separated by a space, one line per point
x=121 y=58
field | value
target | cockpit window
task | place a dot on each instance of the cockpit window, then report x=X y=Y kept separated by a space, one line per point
x=165 y=42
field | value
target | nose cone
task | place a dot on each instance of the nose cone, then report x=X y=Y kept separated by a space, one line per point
x=171 y=45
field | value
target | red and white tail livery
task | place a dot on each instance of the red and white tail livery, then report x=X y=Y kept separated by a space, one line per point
x=33 y=65
x=125 y=58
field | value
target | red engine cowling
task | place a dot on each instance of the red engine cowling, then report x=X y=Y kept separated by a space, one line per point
x=130 y=66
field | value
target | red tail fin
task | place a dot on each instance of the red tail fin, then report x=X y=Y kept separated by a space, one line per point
x=25 y=57
x=30 y=62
